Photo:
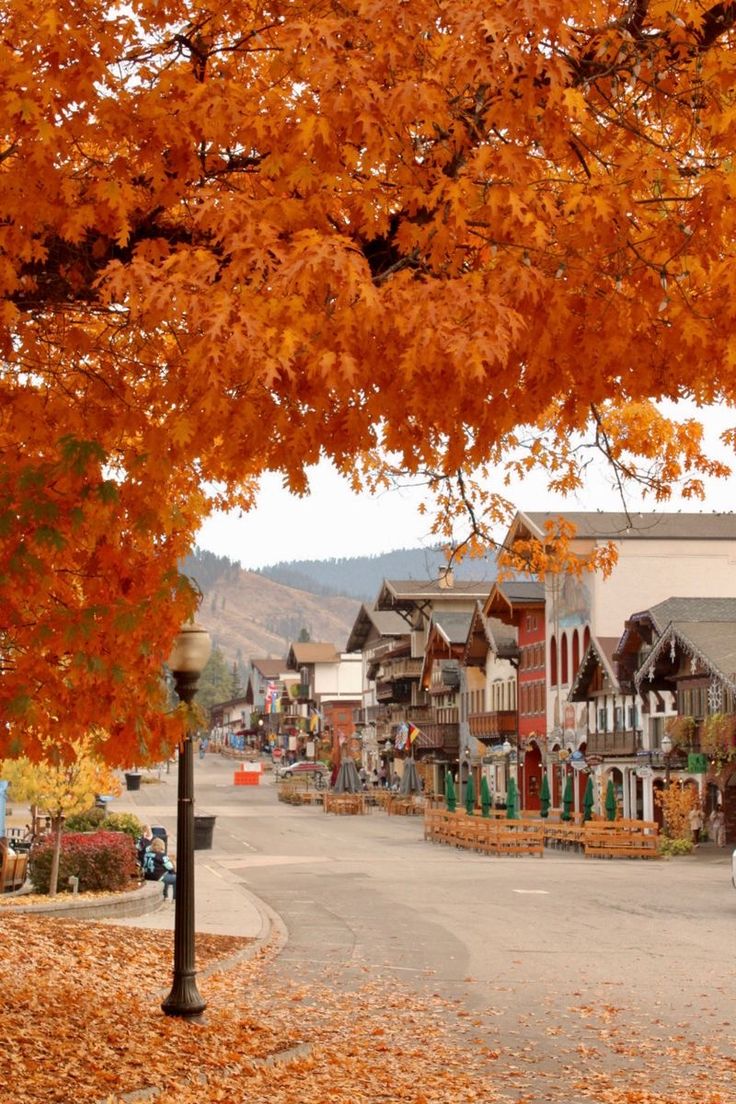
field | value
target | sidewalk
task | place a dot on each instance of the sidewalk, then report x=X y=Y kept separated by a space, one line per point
x=222 y=905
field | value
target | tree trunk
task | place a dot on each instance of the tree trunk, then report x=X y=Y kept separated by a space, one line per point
x=56 y=823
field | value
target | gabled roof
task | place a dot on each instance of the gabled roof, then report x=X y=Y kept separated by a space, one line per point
x=269 y=668
x=488 y=634
x=640 y=624
x=311 y=652
x=512 y=594
x=616 y=525
x=711 y=644
x=452 y=626
x=599 y=653
x=396 y=593
x=385 y=622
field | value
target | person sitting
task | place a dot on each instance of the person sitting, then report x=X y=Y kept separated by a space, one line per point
x=144 y=843
x=158 y=867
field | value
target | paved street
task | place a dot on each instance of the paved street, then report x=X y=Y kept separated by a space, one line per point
x=551 y=951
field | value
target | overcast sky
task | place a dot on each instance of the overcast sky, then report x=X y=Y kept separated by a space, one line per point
x=333 y=521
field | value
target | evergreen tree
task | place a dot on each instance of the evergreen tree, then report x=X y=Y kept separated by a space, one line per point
x=215 y=682
x=304 y=636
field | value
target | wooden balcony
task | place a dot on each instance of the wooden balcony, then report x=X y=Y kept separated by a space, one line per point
x=393 y=691
x=493 y=726
x=438 y=737
x=401 y=668
x=612 y=743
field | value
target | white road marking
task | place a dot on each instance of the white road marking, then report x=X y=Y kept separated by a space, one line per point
x=544 y=891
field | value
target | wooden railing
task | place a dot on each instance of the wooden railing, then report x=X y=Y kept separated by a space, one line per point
x=494 y=725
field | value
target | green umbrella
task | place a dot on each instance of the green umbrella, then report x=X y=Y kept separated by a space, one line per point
x=544 y=797
x=470 y=794
x=588 y=799
x=567 y=800
x=610 y=801
x=485 y=797
x=512 y=796
x=450 y=799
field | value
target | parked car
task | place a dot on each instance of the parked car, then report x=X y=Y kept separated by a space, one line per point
x=319 y=773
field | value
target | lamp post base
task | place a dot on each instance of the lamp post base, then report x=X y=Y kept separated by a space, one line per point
x=184 y=998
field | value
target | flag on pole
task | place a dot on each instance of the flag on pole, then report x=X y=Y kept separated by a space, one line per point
x=413 y=733
x=401 y=734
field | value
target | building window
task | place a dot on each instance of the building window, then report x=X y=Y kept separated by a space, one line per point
x=575 y=653
x=633 y=718
x=563 y=659
x=602 y=720
x=553 y=661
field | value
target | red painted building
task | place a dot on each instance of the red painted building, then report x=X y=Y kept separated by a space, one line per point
x=521 y=604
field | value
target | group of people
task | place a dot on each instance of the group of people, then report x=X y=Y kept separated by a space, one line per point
x=155 y=863
x=716 y=825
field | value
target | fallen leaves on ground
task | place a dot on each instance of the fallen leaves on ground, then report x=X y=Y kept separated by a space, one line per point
x=81 y=1022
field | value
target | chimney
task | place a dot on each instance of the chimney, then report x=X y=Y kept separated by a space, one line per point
x=447 y=578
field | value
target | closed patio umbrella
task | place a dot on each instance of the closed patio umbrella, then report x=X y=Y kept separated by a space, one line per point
x=544 y=797
x=450 y=798
x=512 y=798
x=610 y=801
x=588 y=799
x=567 y=799
x=470 y=795
x=348 y=779
x=485 y=797
x=410 y=783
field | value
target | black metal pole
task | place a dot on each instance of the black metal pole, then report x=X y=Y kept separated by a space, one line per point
x=184 y=998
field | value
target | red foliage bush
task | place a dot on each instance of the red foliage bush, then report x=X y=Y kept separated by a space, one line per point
x=101 y=861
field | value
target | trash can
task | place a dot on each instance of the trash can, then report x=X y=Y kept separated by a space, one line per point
x=132 y=780
x=159 y=832
x=204 y=826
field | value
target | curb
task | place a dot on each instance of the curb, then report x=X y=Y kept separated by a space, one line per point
x=136 y=902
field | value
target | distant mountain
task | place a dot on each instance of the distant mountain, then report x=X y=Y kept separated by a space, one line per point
x=361 y=576
x=250 y=616
x=253 y=614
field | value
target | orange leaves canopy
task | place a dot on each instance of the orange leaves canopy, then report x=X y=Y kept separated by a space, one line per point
x=237 y=237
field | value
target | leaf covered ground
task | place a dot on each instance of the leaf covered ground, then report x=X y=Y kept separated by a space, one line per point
x=80 y=1022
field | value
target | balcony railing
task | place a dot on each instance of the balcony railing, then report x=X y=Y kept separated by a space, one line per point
x=613 y=743
x=491 y=726
x=438 y=737
x=401 y=668
x=393 y=691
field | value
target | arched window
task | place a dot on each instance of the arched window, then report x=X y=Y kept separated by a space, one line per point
x=563 y=660
x=586 y=638
x=575 y=653
x=553 y=661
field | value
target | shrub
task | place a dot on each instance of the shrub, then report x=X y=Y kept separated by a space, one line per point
x=101 y=861
x=675 y=846
x=124 y=822
x=88 y=821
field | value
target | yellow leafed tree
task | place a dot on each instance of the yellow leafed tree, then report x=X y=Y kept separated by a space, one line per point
x=60 y=787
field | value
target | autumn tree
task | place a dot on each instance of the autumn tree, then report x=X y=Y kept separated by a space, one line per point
x=61 y=787
x=437 y=238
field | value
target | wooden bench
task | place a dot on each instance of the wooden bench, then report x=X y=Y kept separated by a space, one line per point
x=13 y=869
x=621 y=839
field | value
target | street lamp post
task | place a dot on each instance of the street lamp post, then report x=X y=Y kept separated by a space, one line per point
x=666 y=746
x=188 y=659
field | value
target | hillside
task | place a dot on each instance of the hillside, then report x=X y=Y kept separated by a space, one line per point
x=361 y=576
x=249 y=615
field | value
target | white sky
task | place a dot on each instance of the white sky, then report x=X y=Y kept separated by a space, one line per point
x=335 y=522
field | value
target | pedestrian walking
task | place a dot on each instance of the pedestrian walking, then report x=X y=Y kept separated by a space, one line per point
x=695 y=817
